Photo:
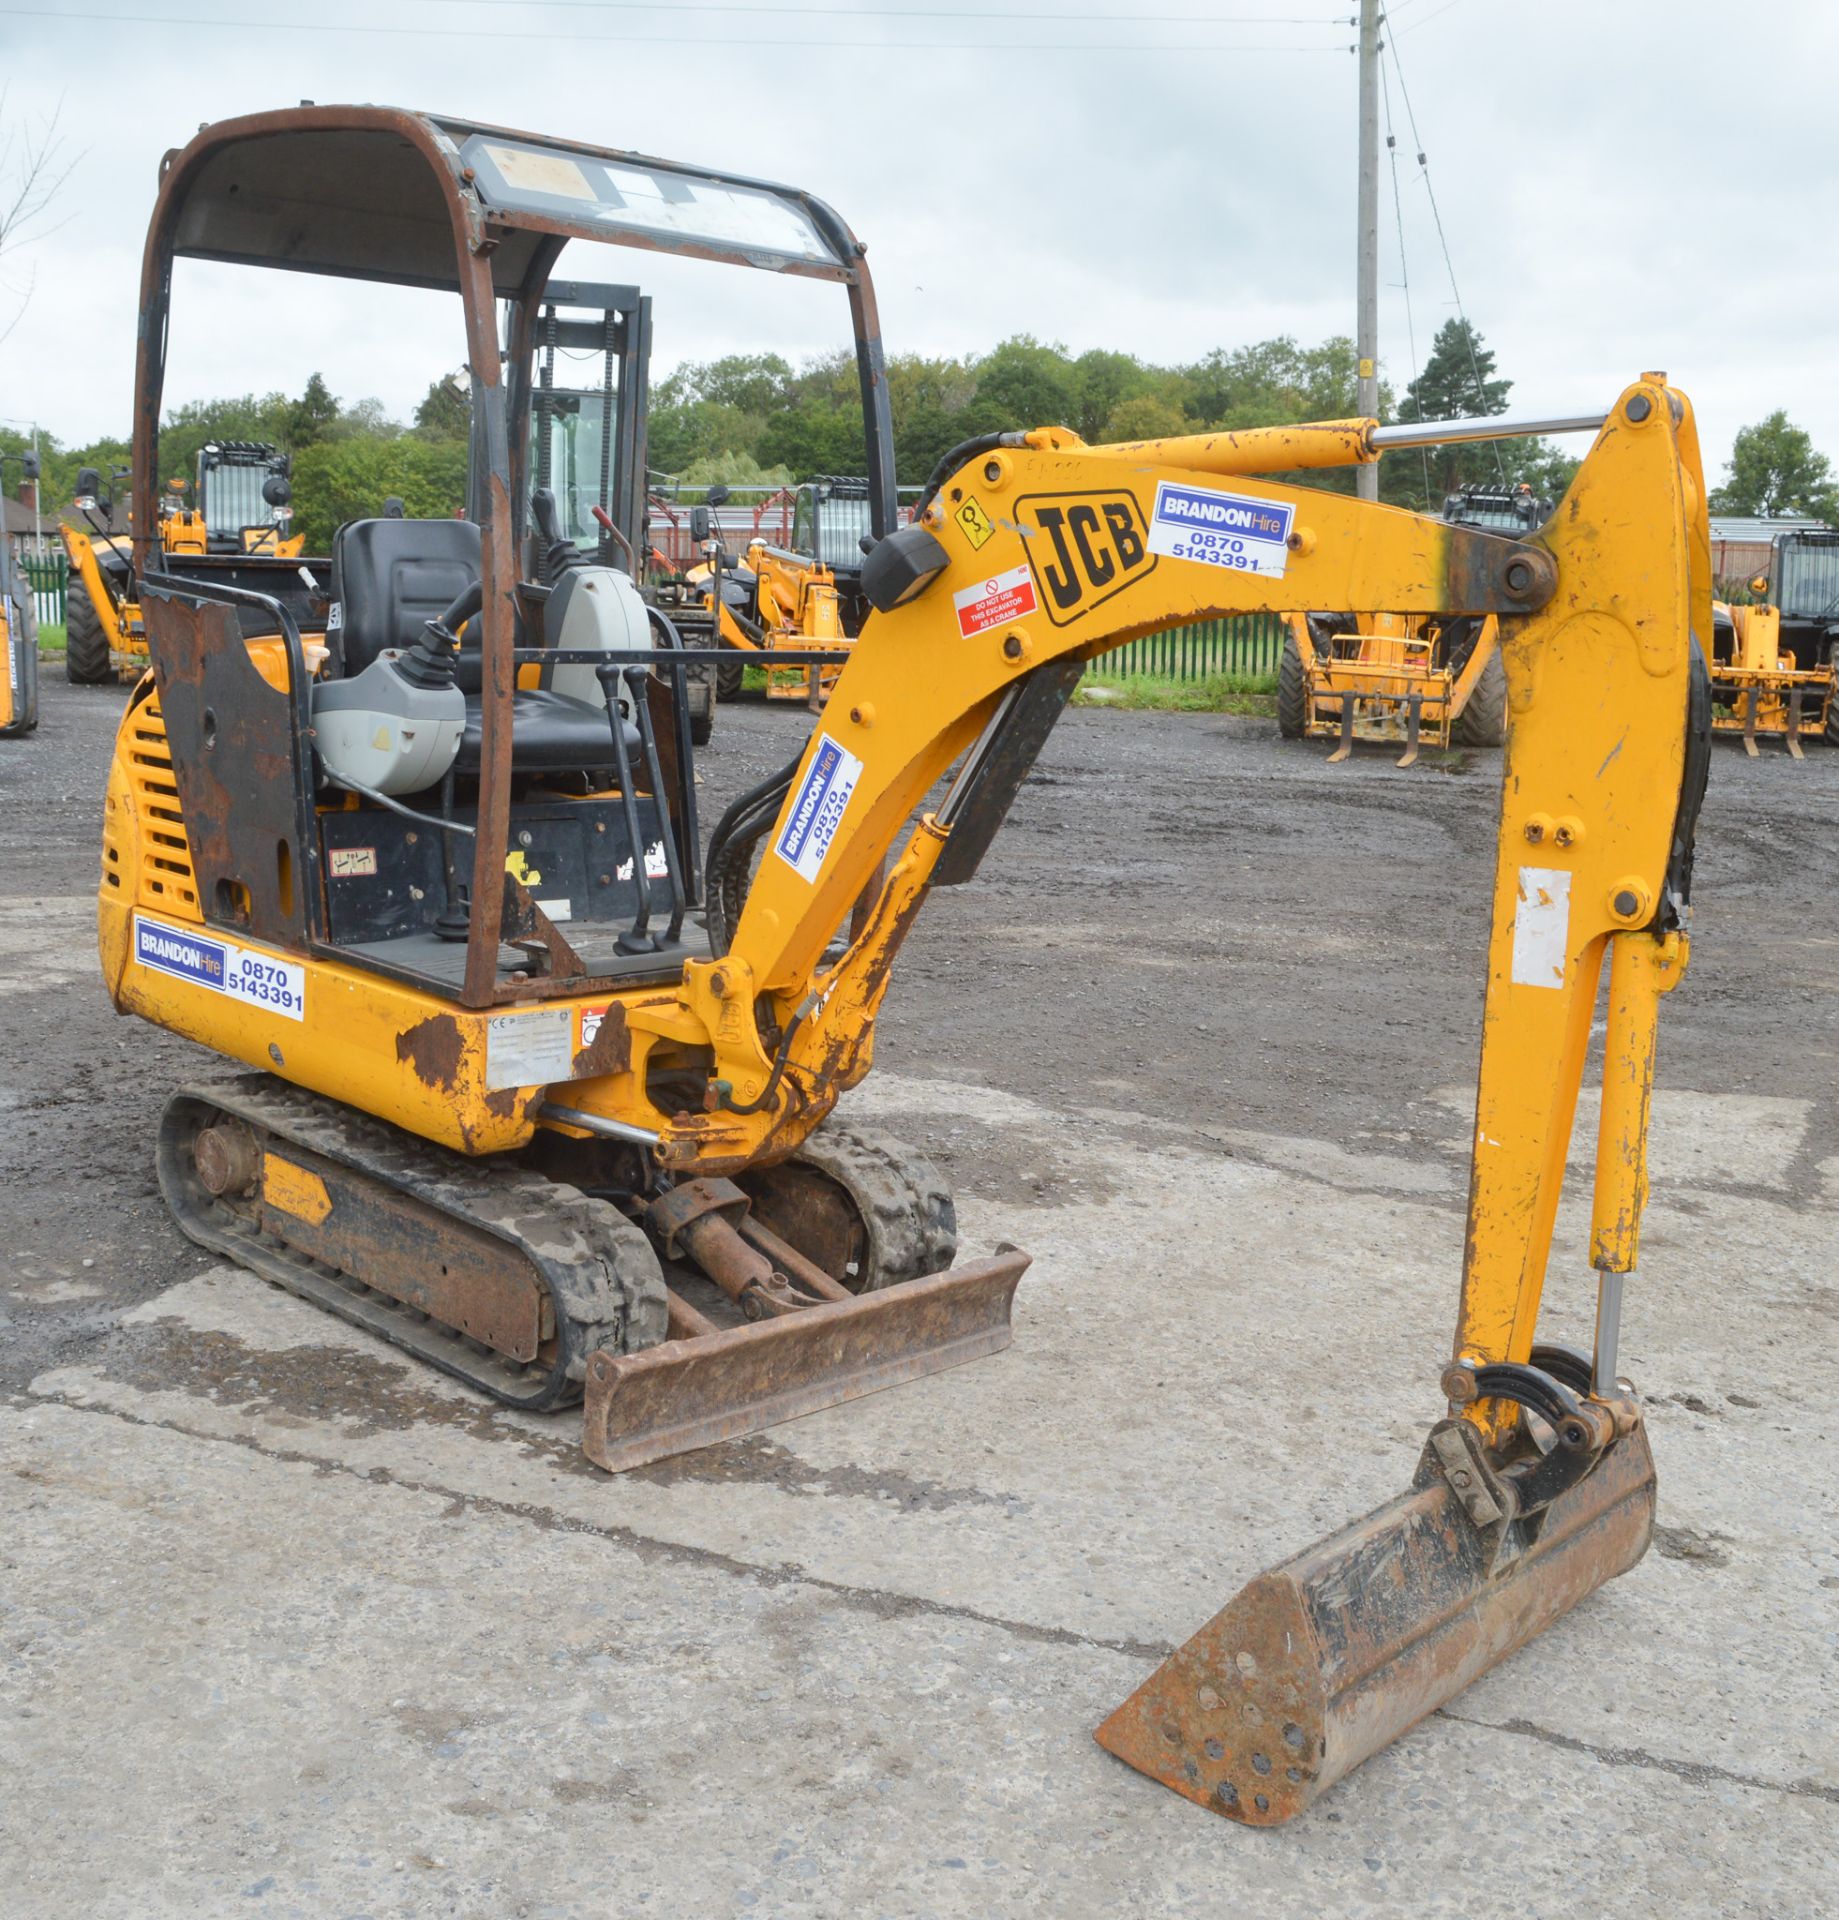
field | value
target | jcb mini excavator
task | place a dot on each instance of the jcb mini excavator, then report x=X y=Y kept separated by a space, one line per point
x=517 y=1049
x=233 y=527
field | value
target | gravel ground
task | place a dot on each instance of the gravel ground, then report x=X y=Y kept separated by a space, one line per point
x=289 y=1626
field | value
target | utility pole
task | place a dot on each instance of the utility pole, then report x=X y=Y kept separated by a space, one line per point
x=1366 y=328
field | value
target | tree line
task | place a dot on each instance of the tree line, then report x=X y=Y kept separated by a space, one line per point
x=755 y=419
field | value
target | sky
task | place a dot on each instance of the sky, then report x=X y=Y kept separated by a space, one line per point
x=1623 y=185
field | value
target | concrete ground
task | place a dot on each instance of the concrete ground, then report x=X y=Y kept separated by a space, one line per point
x=290 y=1626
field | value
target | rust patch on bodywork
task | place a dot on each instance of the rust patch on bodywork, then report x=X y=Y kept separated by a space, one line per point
x=433 y=1048
x=1485 y=573
x=610 y=1050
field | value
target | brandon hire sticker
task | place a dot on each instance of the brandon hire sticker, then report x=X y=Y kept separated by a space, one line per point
x=256 y=978
x=1221 y=529
x=817 y=811
x=1004 y=596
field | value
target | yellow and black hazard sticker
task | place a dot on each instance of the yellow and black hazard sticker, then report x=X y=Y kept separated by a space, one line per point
x=974 y=523
x=1083 y=548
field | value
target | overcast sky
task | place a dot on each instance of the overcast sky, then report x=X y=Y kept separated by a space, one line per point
x=1624 y=184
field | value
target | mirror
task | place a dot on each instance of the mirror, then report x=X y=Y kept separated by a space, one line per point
x=275 y=491
x=702 y=525
x=28 y=465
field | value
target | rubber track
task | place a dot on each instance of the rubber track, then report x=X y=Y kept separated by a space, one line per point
x=601 y=1272
x=908 y=1209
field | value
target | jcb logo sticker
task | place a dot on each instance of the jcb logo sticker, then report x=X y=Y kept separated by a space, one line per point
x=1083 y=548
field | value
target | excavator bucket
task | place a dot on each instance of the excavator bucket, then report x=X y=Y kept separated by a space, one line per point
x=1325 y=1659
x=724 y=1383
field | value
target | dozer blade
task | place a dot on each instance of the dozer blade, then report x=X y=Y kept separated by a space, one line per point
x=691 y=1393
x=1322 y=1661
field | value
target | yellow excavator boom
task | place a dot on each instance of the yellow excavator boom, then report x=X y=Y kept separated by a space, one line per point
x=1539 y=1485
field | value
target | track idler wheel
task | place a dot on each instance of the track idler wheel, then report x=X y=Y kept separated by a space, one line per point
x=860 y=1205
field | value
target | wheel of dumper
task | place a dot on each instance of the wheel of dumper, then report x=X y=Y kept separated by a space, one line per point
x=856 y=1202
x=728 y=678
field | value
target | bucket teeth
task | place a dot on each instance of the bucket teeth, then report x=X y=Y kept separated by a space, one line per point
x=1324 y=1660
x=722 y=1385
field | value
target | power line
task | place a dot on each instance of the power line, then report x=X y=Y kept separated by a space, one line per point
x=322 y=29
x=1429 y=17
x=1449 y=265
x=614 y=8
x=1404 y=269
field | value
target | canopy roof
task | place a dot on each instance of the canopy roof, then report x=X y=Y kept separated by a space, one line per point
x=374 y=193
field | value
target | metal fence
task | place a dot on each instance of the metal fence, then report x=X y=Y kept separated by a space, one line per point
x=1250 y=643
x=46 y=578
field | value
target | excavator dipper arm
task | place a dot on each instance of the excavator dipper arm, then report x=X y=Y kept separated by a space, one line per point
x=1039 y=553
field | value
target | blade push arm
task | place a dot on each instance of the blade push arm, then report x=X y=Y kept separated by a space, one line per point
x=1048 y=551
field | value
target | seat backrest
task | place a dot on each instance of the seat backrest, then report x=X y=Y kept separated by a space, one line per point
x=389 y=577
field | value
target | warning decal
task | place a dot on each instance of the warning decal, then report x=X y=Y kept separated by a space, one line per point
x=974 y=523
x=256 y=978
x=818 y=808
x=1221 y=529
x=1004 y=596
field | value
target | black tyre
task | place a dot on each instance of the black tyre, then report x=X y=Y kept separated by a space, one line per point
x=1483 y=721
x=86 y=641
x=1292 y=691
x=728 y=677
x=702 y=729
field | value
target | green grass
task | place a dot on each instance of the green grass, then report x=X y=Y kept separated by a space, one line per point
x=51 y=640
x=1156 y=693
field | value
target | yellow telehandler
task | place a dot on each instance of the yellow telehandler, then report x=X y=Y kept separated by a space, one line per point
x=232 y=527
x=1405 y=677
x=541 y=1091
x=1775 y=661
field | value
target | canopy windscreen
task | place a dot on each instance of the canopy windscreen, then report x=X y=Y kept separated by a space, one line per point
x=609 y=199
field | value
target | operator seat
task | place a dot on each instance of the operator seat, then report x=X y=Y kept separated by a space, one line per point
x=390 y=577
